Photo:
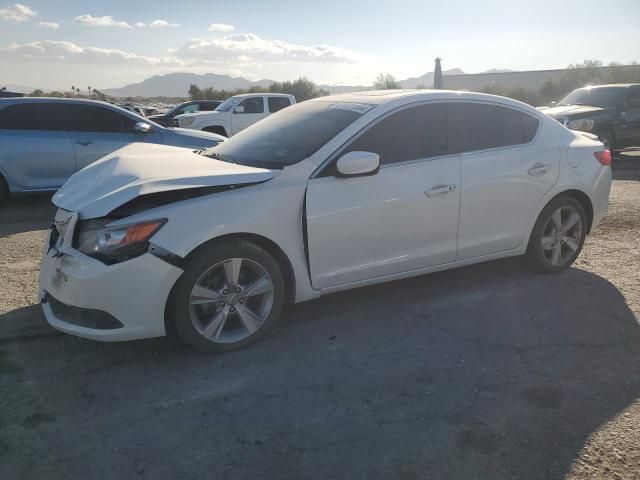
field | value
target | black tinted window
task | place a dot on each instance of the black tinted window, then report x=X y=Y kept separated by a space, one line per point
x=53 y=117
x=277 y=103
x=285 y=139
x=476 y=126
x=634 y=94
x=89 y=118
x=253 y=105
x=209 y=106
x=413 y=133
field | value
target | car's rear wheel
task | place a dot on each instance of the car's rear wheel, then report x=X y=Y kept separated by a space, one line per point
x=558 y=236
x=229 y=296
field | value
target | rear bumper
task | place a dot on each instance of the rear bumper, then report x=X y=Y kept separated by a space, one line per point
x=125 y=301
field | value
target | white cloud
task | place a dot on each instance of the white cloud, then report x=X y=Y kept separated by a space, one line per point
x=220 y=27
x=49 y=50
x=16 y=13
x=140 y=24
x=106 y=21
x=253 y=47
x=163 y=24
x=51 y=25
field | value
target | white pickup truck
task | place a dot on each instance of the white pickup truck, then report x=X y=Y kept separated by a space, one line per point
x=235 y=113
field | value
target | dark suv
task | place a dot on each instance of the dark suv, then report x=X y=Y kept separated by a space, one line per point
x=612 y=112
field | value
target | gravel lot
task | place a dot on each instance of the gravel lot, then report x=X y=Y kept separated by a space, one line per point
x=483 y=372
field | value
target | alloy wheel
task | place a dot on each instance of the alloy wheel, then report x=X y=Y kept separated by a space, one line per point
x=561 y=236
x=231 y=300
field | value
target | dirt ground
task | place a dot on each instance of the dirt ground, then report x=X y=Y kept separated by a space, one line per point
x=483 y=372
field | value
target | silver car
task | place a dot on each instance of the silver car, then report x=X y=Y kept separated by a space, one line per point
x=43 y=141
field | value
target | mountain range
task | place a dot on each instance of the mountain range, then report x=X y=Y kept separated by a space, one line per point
x=177 y=84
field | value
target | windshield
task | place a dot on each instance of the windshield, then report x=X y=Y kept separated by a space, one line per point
x=289 y=136
x=173 y=109
x=597 y=97
x=228 y=104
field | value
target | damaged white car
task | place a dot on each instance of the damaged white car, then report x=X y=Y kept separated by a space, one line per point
x=326 y=195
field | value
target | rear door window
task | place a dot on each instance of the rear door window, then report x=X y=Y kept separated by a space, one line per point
x=478 y=126
x=52 y=117
x=278 y=103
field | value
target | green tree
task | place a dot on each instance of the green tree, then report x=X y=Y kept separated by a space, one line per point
x=37 y=93
x=385 y=81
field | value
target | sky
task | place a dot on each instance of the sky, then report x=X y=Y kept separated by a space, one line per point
x=111 y=43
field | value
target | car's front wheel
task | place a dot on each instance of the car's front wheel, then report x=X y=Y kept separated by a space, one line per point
x=230 y=295
x=558 y=235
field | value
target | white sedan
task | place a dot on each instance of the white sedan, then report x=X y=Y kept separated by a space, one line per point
x=327 y=195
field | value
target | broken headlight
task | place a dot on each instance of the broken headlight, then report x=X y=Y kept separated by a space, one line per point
x=117 y=243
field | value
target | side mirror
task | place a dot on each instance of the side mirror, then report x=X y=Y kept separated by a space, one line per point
x=142 y=127
x=238 y=109
x=358 y=164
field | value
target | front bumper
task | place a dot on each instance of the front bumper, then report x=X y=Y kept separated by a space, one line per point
x=133 y=293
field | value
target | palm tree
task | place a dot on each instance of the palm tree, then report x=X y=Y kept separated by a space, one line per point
x=78 y=91
x=73 y=91
x=89 y=88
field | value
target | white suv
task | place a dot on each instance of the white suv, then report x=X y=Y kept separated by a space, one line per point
x=236 y=113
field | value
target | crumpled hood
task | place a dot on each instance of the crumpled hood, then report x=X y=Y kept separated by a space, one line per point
x=569 y=110
x=142 y=168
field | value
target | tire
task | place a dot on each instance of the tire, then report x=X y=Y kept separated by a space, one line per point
x=212 y=311
x=4 y=190
x=217 y=130
x=562 y=247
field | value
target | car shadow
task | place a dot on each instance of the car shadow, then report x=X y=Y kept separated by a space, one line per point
x=482 y=372
x=25 y=213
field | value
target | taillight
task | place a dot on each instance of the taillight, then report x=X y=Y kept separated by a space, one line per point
x=604 y=157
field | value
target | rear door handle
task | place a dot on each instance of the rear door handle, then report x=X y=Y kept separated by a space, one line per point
x=84 y=142
x=440 y=190
x=539 y=169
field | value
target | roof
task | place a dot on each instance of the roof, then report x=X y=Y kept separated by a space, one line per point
x=264 y=93
x=53 y=100
x=379 y=97
x=614 y=85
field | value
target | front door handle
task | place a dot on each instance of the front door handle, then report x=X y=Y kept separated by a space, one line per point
x=539 y=169
x=84 y=142
x=440 y=190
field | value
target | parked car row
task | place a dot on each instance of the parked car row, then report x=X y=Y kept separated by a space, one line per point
x=43 y=141
x=326 y=195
